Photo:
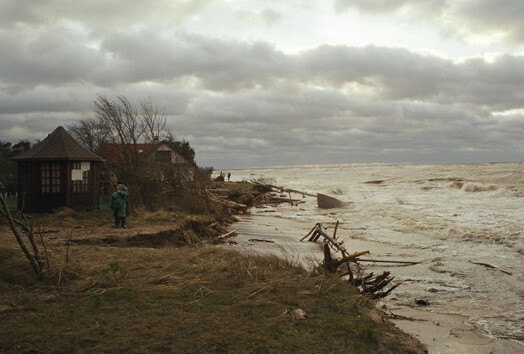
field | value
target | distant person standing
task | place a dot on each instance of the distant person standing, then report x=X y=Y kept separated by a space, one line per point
x=118 y=203
x=228 y=176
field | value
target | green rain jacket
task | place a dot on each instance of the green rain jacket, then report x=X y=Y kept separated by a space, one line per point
x=118 y=204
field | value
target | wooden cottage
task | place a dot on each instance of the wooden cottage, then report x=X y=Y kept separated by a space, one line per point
x=58 y=172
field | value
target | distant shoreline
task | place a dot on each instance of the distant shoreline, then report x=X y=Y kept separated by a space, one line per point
x=360 y=164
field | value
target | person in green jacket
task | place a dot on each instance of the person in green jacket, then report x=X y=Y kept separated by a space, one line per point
x=118 y=203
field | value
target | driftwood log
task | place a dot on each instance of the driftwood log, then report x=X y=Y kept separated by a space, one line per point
x=376 y=287
x=369 y=285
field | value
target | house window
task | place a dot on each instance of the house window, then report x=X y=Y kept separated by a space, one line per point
x=50 y=177
x=77 y=186
x=77 y=165
x=85 y=181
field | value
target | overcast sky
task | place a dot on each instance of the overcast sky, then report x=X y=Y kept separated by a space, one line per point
x=278 y=82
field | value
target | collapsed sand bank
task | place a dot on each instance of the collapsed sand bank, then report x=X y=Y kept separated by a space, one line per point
x=441 y=332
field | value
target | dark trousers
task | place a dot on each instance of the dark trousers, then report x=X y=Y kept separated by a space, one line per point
x=120 y=220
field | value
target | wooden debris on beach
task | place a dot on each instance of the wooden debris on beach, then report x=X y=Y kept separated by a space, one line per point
x=227 y=234
x=233 y=206
x=276 y=196
x=261 y=240
x=487 y=265
x=376 y=286
x=271 y=196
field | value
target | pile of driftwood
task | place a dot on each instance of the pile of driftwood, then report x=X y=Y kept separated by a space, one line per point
x=272 y=196
x=278 y=195
x=222 y=196
x=376 y=286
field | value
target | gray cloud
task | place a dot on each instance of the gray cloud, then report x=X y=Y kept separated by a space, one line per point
x=96 y=15
x=245 y=103
x=50 y=56
x=460 y=19
x=55 y=58
x=381 y=6
x=217 y=64
x=502 y=18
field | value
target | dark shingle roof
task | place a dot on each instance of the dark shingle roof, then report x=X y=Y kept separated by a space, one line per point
x=59 y=145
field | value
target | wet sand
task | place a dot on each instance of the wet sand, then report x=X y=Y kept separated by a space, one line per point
x=439 y=331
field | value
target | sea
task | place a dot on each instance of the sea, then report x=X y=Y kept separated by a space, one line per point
x=463 y=223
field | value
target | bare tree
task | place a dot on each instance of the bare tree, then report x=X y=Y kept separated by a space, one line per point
x=89 y=133
x=155 y=123
x=123 y=124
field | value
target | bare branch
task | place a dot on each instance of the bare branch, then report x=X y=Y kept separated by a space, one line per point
x=34 y=259
x=155 y=122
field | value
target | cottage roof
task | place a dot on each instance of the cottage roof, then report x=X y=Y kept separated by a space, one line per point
x=59 y=145
x=115 y=153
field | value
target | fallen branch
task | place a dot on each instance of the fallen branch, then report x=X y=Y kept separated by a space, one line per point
x=369 y=285
x=260 y=240
x=34 y=258
x=385 y=293
x=229 y=233
x=492 y=266
x=318 y=231
x=388 y=261
x=394 y=316
x=352 y=257
x=309 y=233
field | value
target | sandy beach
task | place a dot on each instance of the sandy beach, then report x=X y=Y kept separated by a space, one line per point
x=440 y=331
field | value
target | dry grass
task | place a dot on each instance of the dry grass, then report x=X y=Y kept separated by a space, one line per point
x=98 y=298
